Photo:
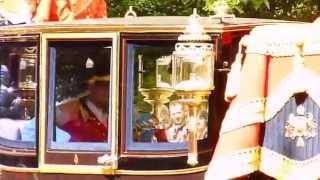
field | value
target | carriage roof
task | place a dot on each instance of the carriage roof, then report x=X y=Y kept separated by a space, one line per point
x=139 y=24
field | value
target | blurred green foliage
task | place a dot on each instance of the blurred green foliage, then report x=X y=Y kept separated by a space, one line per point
x=117 y=8
x=300 y=10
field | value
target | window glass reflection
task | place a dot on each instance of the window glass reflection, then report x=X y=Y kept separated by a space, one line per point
x=159 y=114
x=151 y=112
x=18 y=86
x=82 y=83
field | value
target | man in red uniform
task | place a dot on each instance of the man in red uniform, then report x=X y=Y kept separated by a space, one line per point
x=86 y=118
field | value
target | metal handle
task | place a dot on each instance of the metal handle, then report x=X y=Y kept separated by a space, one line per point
x=130 y=13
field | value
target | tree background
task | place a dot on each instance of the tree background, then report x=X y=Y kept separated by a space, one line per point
x=299 y=10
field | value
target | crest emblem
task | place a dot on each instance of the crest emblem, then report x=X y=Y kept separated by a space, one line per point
x=300 y=125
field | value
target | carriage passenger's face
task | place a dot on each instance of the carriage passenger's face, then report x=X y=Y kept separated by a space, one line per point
x=177 y=115
x=99 y=93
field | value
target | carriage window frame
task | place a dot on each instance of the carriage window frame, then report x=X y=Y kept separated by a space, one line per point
x=205 y=146
x=46 y=142
x=54 y=145
x=130 y=144
x=25 y=147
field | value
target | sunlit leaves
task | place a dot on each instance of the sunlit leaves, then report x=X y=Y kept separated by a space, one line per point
x=305 y=10
x=155 y=7
x=301 y=10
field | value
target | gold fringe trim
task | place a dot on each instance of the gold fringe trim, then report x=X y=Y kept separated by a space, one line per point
x=280 y=40
x=282 y=167
x=273 y=164
x=244 y=114
x=234 y=165
x=300 y=80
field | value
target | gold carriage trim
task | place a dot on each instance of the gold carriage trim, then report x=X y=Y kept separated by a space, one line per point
x=282 y=167
x=243 y=114
x=233 y=165
x=300 y=80
x=263 y=40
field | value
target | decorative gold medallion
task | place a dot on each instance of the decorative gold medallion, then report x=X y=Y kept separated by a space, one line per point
x=301 y=126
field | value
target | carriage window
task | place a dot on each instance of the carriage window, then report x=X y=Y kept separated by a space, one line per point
x=81 y=94
x=157 y=118
x=18 y=87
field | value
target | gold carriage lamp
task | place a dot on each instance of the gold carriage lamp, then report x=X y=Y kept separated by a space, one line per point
x=27 y=84
x=156 y=94
x=193 y=76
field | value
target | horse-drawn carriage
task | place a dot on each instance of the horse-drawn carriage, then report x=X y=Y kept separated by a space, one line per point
x=165 y=79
